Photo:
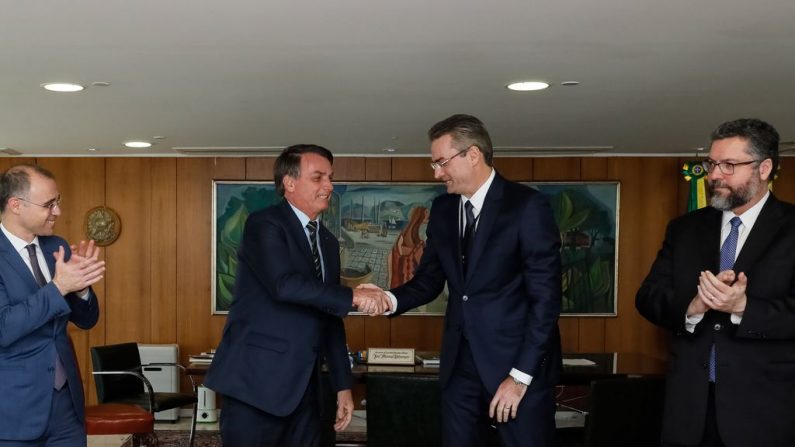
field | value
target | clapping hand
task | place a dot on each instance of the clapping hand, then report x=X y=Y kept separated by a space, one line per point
x=81 y=271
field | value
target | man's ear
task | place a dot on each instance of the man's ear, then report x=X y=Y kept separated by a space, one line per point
x=766 y=169
x=288 y=183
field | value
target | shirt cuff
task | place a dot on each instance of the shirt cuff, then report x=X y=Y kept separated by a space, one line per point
x=736 y=319
x=84 y=295
x=521 y=377
x=392 y=300
x=692 y=321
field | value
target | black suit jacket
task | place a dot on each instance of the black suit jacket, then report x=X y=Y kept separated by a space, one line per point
x=508 y=304
x=282 y=319
x=755 y=389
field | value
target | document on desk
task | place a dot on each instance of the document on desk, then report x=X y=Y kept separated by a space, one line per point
x=578 y=362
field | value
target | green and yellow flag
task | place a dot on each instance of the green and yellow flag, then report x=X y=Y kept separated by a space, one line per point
x=695 y=173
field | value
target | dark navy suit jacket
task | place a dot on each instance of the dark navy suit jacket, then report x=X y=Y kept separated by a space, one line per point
x=32 y=329
x=282 y=319
x=755 y=389
x=508 y=304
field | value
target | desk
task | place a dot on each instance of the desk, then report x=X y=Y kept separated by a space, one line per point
x=606 y=364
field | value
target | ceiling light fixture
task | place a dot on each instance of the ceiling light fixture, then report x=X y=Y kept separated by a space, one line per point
x=390 y=149
x=138 y=144
x=62 y=87
x=527 y=86
x=570 y=83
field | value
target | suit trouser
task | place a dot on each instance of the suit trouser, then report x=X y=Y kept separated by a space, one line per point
x=245 y=426
x=64 y=429
x=465 y=411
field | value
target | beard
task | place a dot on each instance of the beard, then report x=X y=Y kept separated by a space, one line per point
x=736 y=196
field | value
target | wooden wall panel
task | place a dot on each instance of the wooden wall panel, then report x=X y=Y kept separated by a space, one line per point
x=516 y=169
x=259 y=168
x=197 y=329
x=412 y=170
x=81 y=182
x=647 y=204
x=164 y=250
x=129 y=191
x=420 y=332
x=377 y=169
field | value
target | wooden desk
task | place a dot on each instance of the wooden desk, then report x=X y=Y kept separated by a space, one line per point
x=607 y=364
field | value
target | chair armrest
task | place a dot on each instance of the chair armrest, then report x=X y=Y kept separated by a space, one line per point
x=147 y=385
x=174 y=365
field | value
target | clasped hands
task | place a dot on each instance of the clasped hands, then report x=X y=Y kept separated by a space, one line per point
x=371 y=299
x=81 y=271
x=724 y=292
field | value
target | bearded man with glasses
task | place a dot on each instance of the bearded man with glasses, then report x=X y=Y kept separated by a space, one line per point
x=724 y=285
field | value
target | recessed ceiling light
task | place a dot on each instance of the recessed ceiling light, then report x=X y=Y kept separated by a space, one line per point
x=158 y=137
x=138 y=144
x=92 y=149
x=390 y=149
x=100 y=84
x=570 y=83
x=527 y=86
x=62 y=87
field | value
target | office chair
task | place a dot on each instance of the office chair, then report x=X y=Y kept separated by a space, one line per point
x=625 y=412
x=119 y=378
x=118 y=419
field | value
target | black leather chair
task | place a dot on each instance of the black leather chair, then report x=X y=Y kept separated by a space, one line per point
x=403 y=411
x=625 y=412
x=119 y=378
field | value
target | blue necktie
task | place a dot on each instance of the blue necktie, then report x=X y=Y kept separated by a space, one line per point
x=727 y=254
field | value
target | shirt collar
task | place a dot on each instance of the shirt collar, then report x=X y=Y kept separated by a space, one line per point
x=749 y=217
x=18 y=243
x=479 y=197
x=301 y=216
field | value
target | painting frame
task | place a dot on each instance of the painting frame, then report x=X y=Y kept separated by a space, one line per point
x=379 y=227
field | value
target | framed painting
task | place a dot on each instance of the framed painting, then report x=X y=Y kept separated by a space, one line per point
x=381 y=230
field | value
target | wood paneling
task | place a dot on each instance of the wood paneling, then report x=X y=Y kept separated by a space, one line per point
x=164 y=250
x=378 y=169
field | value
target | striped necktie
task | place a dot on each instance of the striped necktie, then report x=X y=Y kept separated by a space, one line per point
x=312 y=227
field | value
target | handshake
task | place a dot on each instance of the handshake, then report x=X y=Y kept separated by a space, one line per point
x=372 y=300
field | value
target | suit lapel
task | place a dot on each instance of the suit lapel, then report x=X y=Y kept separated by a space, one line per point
x=48 y=247
x=762 y=235
x=330 y=261
x=709 y=248
x=488 y=215
x=15 y=261
x=296 y=231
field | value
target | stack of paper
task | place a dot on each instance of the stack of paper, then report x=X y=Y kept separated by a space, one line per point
x=203 y=358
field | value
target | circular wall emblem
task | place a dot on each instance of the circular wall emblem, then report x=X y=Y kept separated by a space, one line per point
x=102 y=225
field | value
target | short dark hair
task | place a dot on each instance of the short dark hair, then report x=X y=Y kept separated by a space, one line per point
x=289 y=162
x=465 y=129
x=15 y=182
x=762 y=138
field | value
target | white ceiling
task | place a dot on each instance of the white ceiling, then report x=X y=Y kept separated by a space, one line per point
x=358 y=76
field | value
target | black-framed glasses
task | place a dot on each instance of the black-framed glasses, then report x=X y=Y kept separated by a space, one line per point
x=51 y=205
x=440 y=163
x=725 y=167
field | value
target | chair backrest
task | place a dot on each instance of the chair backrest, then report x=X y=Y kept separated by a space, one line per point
x=403 y=410
x=121 y=357
x=625 y=412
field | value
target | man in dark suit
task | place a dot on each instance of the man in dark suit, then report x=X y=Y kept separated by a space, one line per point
x=496 y=245
x=287 y=315
x=43 y=286
x=724 y=285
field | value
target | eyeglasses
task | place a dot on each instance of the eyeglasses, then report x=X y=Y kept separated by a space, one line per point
x=724 y=166
x=56 y=202
x=440 y=163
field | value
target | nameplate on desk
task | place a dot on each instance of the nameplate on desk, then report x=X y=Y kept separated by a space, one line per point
x=390 y=356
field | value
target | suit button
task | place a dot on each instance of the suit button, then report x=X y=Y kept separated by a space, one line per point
x=717 y=327
x=465 y=298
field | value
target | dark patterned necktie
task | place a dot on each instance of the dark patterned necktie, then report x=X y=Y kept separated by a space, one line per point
x=727 y=255
x=469 y=230
x=312 y=227
x=60 y=373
